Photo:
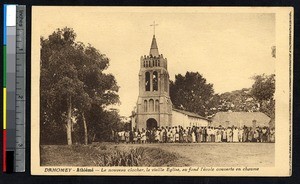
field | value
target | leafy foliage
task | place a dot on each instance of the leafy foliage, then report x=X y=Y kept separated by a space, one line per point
x=238 y=101
x=263 y=87
x=72 y=81
x=192 y=93
x=263 y=90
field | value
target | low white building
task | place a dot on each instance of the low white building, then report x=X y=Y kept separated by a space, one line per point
x=188 y=119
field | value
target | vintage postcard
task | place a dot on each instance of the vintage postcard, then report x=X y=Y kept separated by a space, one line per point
x=162 y=91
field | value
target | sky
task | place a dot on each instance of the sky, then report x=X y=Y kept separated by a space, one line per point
x=226 y=48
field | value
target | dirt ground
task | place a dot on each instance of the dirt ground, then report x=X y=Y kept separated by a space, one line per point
x=221 y=154
x=183 y=154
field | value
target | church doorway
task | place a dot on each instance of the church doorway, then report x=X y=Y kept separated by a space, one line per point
x=151 y=123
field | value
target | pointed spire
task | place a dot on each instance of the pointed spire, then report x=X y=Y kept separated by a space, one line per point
x=154 y=48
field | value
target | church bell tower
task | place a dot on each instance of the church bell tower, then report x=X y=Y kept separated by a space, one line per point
x=154 y=106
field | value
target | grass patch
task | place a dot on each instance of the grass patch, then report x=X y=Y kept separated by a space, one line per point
x=157 y=157
x=104 y=155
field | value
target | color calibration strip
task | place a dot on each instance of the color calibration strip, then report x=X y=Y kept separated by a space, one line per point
x=4 y=89
x=14 y=88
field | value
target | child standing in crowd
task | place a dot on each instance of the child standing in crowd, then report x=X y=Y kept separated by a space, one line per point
x=165 y=136
x=127 y=140
x=224 y=135
x=152 y=136
x=135 y=135
x=147 y=135
x=264 y=134
x=157 y=135
x=131 y=136
x=170 y=135
x=177 y=136
x=260 y=134
x=250 y=135
x=143 y=136
x=138 y=137
x=184 y=135
x=122 y=136
x=180 y=135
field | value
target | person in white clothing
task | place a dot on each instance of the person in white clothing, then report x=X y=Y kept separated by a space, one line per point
x=241 y=134
x=235 y=136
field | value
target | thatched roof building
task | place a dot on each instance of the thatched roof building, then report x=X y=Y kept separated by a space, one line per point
x=239 y=119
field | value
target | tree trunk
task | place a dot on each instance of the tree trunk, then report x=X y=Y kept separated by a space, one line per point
x=69 y=123
x=85 y=130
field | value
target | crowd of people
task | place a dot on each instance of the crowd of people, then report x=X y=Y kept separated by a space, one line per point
x=194 y=134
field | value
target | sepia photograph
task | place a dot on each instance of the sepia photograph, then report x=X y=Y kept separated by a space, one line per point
x=161 y=91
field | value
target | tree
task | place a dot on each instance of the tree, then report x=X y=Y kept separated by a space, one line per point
x=263 y=91
x=192 y=93
x=72 y=82
x=105 y=121
x=263 y=88
x=238 y=101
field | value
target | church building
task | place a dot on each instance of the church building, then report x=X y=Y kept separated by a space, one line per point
x=154 y=106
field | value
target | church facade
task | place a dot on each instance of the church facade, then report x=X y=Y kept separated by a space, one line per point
x=154 y=106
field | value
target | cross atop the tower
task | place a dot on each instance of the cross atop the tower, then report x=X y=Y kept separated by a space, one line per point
x=154 y=27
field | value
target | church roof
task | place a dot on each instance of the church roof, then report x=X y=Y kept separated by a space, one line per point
x=191 y=114
x=240 y=118
x=154 y=48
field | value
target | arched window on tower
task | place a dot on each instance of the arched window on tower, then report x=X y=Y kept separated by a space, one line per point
x=156 y=105
x=147 y=81
x=151 y=105
x=158 y=64
x=145 y=106
x=144 y=63
x=155 y=81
